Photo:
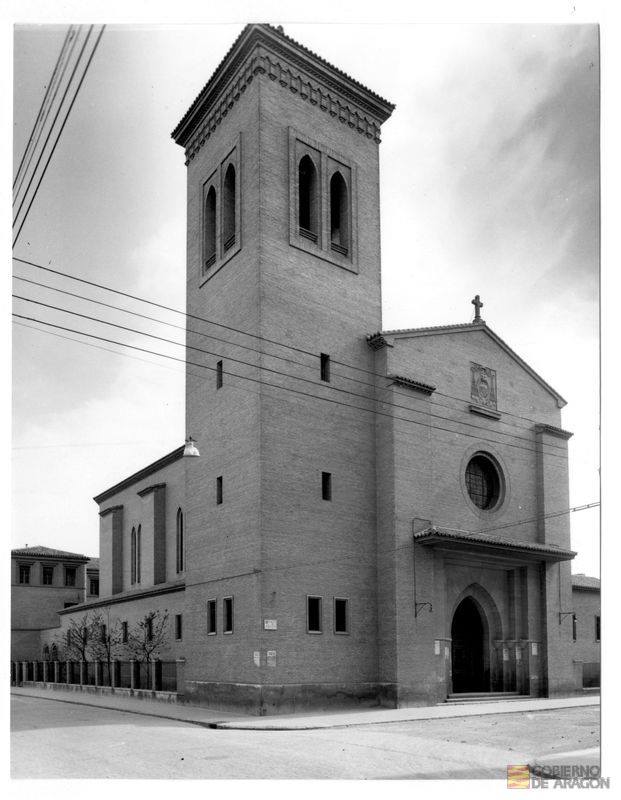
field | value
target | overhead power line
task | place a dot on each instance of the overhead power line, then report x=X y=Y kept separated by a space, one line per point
x=268 y=384
x=258 y=337
x=44 y=108
x=315 y=383
x=62 y=127
x=186 y=329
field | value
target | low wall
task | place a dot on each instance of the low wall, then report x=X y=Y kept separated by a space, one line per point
x=141 y=694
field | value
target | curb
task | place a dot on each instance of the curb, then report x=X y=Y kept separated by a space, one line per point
x=458 y=711
x=139 y=712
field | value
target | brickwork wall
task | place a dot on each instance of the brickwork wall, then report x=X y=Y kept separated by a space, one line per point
x=137 y=511
x=586 y=606
x=312 y=546
x=131 y=611
x=223 y=544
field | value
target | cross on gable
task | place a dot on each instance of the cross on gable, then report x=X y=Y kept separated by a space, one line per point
x=478 y=305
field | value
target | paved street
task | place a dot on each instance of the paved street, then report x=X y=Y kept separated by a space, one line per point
x=75 y=741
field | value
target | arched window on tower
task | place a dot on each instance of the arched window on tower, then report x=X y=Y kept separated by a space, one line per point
x=210 y=227
x=339 y=214
x=180 y=552
x=138 y=548
x=132 y=570
x=307 y=199
x=228 y=209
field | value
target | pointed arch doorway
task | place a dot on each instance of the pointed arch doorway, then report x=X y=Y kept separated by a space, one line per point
x=470 y=648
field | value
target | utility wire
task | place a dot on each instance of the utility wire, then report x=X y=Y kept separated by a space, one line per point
x=88 y=63
x=43 y=113
x=410 y=396
x=267 y=383
x=53 y=125
x=277 y=372
x=244 y=333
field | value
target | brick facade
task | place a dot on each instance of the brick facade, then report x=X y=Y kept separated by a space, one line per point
x=399 y=537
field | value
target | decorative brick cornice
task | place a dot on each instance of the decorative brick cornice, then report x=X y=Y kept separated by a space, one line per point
x=110 y=510
x=409 y=383
x=263 y=50
x=150 y=489
x=553 y=431
x=169 y=458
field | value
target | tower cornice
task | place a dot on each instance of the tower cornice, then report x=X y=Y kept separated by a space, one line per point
x=263 y=49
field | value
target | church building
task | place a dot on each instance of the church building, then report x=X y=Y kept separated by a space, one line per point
x=373 y=516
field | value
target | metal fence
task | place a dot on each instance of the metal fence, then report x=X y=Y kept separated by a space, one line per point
x=169 y=676
x=159 y=675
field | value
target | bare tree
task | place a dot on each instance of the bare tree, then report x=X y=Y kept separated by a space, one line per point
x=77 y=639
x=106 y=638
x=146 y=637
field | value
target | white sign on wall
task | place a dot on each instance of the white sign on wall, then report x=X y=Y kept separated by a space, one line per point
x=436 y=648
x=271 y=658
x=257 y=658
x=270 y=624
x=535 y=649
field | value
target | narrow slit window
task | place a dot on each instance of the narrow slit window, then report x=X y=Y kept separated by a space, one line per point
x=219 y=491
x=227 y=615
x=598 y=628
x=307 y=199
x=339 y=214
x=138 y=552
x=102 y=634
x=178 y=627
x=212 y=617
x=180 y=543
x=210 y=228
x=219 y=375
x=124 y=632
x=228 y=209
x=149 y=628
x=313 y=614
x=341 y=615
x=132 y=567
x=574 y=627
x=326 y=486
x=325 y=367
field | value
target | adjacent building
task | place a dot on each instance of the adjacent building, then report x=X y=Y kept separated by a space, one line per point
x=45 y=581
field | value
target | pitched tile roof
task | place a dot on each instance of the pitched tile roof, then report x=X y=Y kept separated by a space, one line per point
x=39 y=550
x=269 y=35
x=551 y=552
x=582 y=581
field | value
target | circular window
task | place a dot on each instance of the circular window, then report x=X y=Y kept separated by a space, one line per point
x=483 y=481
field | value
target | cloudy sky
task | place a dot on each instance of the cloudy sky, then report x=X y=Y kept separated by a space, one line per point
x=490 y=163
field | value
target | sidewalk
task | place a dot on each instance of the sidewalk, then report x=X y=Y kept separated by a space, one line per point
x=346 y=719
x=298 y=722
x=180 y=712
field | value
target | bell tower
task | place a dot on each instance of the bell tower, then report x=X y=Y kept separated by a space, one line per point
x=283 y=285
